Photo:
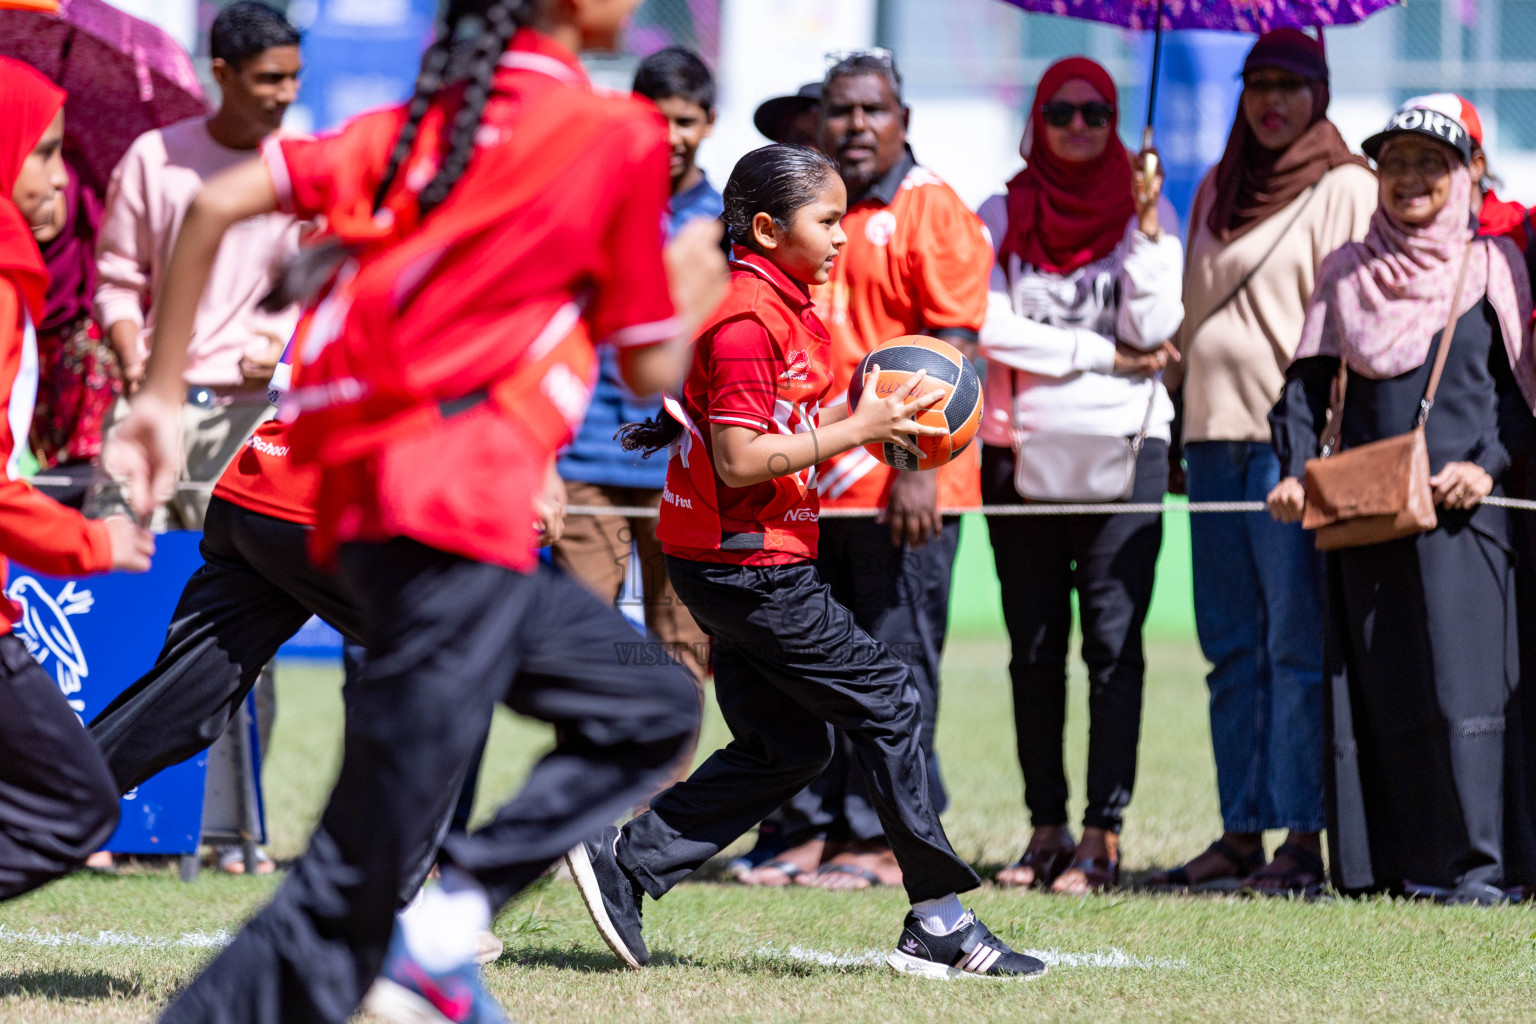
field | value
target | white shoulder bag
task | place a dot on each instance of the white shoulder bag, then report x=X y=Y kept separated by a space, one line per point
x=1076 y=468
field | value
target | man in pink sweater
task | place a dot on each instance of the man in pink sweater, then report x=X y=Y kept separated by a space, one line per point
x=234 y=345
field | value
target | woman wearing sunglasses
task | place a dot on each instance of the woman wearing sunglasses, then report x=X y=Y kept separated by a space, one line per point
x=1084 y=297
x=1286 y=193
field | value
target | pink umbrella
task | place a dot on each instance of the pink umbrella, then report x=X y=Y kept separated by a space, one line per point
x=124 y=76
x=1229 y=15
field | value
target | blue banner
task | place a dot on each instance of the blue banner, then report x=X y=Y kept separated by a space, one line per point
x=1196 y=102
x=362 y=54
x=96 y=636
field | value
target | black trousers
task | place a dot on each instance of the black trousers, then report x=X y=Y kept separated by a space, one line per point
x=1110 y=561
x=790 y=665
x=254 y=591
x=447 y=637
x=57 y=801
x=899 y=596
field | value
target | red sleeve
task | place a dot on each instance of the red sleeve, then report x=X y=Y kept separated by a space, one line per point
x=314 y=177
x=743 y=375
x=631 y=304
x=35 y=529
x=952 y=263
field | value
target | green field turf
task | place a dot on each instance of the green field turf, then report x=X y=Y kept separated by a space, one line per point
x=724 y=953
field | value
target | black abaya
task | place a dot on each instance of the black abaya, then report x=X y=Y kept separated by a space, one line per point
x=1421 y=648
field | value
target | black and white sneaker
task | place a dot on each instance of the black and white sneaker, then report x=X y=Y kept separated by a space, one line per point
x=970 y=951
x=611 y=896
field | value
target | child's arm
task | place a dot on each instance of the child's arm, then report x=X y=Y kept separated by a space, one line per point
x=744 y=456
x=144 y=450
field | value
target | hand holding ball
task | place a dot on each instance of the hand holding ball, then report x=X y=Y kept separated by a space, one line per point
x=955 y=417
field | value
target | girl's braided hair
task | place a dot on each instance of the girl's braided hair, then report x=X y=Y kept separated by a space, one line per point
x=478 y=54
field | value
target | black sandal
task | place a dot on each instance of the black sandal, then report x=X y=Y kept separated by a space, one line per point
x=1047 y=863
x=1243 y=864
x=1306 y=878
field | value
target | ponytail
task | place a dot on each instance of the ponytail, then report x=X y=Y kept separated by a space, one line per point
x=649 y=436
x=311 y=268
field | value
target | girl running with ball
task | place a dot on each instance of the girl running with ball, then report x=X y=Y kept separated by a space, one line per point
x=739 y=529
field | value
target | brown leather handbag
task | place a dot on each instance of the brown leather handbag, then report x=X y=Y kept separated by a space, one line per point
x=1378 y=491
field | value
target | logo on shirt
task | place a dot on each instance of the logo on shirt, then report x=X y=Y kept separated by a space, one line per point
x=798 y=368
x=880 y=228
x=567 y=392
x=801 y=515
x=265 y=447
x=671 y=498
x=50 y=639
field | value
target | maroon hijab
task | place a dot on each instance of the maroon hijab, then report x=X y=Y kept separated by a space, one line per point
x=71 y=257
x=1254 y=183
x=1063 y=216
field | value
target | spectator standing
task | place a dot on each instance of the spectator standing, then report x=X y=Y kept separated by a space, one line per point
x=79 y=376
x=916 y=262
x=234 y=345
x=1084 y=299
x=1423 y=652
x=597 y=471
x=792 y=120
x=1286 y=193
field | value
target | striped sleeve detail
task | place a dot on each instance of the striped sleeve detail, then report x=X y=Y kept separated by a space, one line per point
x=277 y=167
x=653 y=333
x=740 y=420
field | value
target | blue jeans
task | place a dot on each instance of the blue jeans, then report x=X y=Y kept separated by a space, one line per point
x=1259 y=615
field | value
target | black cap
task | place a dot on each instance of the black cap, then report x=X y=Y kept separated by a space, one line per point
x=1424 y=116
x=771 y=114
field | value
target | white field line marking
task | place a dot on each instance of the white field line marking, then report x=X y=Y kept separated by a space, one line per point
x=114 y=938
x=1114 y=958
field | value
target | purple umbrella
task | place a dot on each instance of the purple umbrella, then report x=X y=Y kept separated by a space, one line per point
x=124 y=76
x=1226 y=15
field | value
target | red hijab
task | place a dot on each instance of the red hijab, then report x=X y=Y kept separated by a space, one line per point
x=1063 y=216
x=28 y=106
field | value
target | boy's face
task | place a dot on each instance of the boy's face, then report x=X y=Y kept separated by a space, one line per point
x=262 y=88
x=688 y=124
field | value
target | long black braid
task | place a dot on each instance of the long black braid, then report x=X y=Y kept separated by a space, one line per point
x=499 y=20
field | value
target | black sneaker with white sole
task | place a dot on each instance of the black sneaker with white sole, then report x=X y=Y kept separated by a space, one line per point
x=970 y=951
x=611 y=896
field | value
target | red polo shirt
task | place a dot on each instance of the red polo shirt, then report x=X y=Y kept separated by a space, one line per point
x=553 y=232
x=761 y=363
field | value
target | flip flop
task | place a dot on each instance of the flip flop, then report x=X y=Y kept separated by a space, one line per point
x=854 y=870
x=1307 y=878
x=789 y=870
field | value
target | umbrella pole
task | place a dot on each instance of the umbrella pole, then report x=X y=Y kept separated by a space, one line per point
x=1150 y=168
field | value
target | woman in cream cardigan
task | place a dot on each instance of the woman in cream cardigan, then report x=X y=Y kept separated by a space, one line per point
x=1286 y=193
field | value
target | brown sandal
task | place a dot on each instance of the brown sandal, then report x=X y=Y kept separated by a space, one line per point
x=1046 y=862
x=1243 y=865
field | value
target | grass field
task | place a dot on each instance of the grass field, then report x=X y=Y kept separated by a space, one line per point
x=116 y=949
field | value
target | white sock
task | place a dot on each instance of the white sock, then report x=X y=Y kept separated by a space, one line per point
x=442 y=927
x=940 y=916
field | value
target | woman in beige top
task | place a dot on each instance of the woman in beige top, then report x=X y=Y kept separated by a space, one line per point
x=1286 y=193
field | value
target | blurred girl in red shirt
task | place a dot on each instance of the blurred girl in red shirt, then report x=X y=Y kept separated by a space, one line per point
x=477 y=228
x=57 y=801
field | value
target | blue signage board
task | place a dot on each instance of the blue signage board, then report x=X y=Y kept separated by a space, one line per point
x=96 y=635
x=1196 y=101
x=363 y=54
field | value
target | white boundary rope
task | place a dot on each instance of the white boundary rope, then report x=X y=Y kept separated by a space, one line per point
x=1116 y=508
x=1119 y=508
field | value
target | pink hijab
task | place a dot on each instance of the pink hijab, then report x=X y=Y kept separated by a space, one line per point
x=1379 y=303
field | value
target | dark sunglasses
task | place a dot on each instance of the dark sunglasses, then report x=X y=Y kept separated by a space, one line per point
x=1095 y=115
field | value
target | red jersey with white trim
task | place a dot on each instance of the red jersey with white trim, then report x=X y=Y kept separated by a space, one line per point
x=760 y=363
x=34 y=528
x=264 y=479
x=453 y=306
x=917 y=261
